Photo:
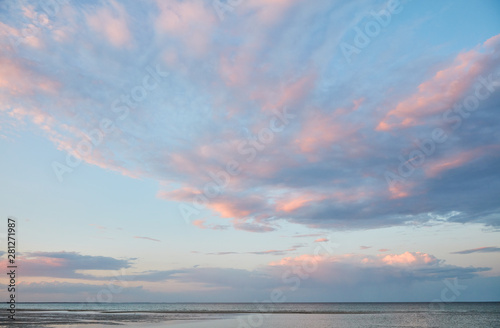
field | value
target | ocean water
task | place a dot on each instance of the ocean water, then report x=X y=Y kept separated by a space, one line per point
x=251 y=315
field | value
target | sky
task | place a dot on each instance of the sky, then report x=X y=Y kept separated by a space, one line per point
x=251 y=150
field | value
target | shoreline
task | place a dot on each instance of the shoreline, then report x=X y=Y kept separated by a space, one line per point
x=227 y=322
x=93 y=319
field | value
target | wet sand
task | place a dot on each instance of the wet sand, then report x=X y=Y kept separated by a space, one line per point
x=217 y=323
x=91 y=319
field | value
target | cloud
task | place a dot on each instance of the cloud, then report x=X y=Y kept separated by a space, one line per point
x=317 y=275
x=445 y=88
x=223 y=253
x=66 y=264
x=266 y=252
x=189 y=22
x=323 y=270
x=98 y=226
x=321 y=240
x=252 y=225
x=111 y=22
x=312 y=140
x=364 y=247
x=308 y=235
x=86 y=292
x=408 y=258
x=202 y=225
x=146 y=238
x=479 y=250
x=290 y=204
x=273 y=252
x=48 y=288
x=354 y=269
x=20 y=79
x=459 y=160
x=322 y=130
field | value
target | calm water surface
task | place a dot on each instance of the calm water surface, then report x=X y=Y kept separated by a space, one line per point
x=245 y=315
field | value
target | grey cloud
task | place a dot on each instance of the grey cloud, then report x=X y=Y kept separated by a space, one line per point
x=479 y=250
x=36 y=264
x=147 y=238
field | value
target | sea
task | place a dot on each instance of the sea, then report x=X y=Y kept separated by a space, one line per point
x=252 y=315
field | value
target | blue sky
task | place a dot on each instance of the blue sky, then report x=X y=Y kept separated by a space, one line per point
x=213 y=151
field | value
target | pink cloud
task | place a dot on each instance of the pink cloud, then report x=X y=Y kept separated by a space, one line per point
x=357 y=103
x=409 y=258
x=268 y=11
x=445 y=88
x=416 y=259
x=32 y=38
x=399 y=191
x=8 y=31
x=296 y=201
x=299 y=260
x=112 y=23
x=437 y=167
x=321 y=240
x=37 y=267
x=322 y=130
x=319 y=131
x=228 y=209
x=181 y=194
x=199 y=223
x=293 y=203
x=202 y=225
x=292 y=93
x=190 y=22
x=99 y=155
x=492 y=42
x=179 y=16
x=235 y=72
x=65 y=264
x=18 y=79
x=245 y=211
